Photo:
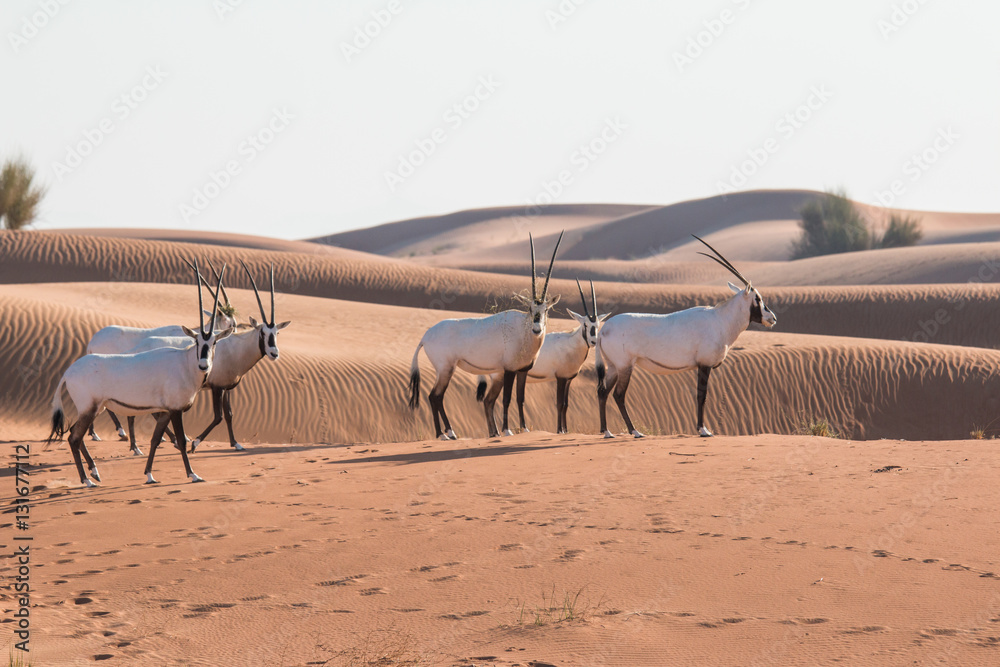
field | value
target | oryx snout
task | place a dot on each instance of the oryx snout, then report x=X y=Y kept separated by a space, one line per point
x=768 y=319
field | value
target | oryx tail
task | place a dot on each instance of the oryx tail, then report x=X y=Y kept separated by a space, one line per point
x=480 y=388
x=58 y=415
x=415 y=379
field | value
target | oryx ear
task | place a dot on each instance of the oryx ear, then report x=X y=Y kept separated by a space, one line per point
x=749 y=289
x=282 y=326
x=224 y=334
x=553 y=301
x=603 y=317
x=188 y=332
x=736 y=290
x=253 y=322
x=578 y=317
x=207 y=314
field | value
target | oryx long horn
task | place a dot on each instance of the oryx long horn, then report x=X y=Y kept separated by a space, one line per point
x=223 y=287
x=201 y=301
x=253 y=283
x=723 y=261
x=593 y=293
x=215 y=306
x=531 y=242
x=545 y=287
x=271 y=323
x=583 y=299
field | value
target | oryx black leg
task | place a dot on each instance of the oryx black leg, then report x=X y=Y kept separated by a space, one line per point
x=131 y=437
x=508 y=385
x=436 y=399
x=703 y=373
x=610 y=380
x=161 y=424
x=624 y=377
x=522 y=378
x=118 y=426
x=227 y=411
x=560 y=396
x=489 y=406
x=177 y=417
x=216 y=420
x=75 y=438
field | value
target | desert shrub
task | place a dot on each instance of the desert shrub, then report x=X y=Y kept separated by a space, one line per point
x=902 y=231
x=832 y=224
x=19 y=194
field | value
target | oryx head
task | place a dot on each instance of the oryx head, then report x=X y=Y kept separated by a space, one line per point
x=226 y=312
x=267 y=329
x=539 y=306
x=206 y=338
x=590 y=321
x=759 y=312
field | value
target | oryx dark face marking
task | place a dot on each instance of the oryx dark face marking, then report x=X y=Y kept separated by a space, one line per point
x=760 y=313
x=206 y=345
x=538 y=313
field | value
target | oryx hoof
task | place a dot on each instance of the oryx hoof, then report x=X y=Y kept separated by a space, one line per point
x=122 y=435
x=704 y=432
x=443 y=436
x=507 y=431
x=608 y=434
x=137 y=452
x=95 y=437
x=451 y=435
x=96 y=475
x=194 y=444
x=150 y=480
x=636 y=434
x=238 y=447
x=194 y=478
x=525 y=429
x=87 y=483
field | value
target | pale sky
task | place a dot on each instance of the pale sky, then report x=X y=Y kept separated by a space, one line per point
x=131 y=111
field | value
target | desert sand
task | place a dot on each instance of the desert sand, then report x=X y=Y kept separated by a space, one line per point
x=345 y=535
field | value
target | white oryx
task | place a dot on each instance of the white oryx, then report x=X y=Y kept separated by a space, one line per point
x=235 y=356
x=698 y=337
x=165 y=380
x=560 y=359
x=506 y=343
x=116 y=339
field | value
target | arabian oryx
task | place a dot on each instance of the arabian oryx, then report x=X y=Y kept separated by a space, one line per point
x=235 y=356
x=123 y=340
x=164 y=380
x=698 y=337
x=506 y=343
x=560 y=359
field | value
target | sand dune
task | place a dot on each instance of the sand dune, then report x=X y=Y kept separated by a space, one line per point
x=758 y=225
x=958 y=314
x=343 y=373
x=209 y=238
x=920 y=265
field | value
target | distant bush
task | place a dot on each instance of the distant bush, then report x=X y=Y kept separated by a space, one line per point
x=902 y=231
x=832 y=224
x=19 y=195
